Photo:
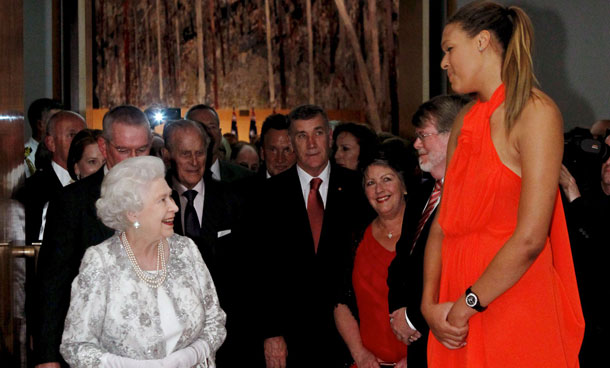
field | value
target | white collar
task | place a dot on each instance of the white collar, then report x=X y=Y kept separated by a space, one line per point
x=215 y=169
x=305 y=178
x=62 y=174
x=180 y=188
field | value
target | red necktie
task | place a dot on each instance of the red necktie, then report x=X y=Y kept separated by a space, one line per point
x=315 y=210
x=432 y=201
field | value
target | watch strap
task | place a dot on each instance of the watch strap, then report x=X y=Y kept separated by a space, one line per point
x=470 y=295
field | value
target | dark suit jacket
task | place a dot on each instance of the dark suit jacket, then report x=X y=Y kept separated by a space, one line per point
x=230 y=172
x=405 y=275
x=226 y=258
x=72 y=226
x=34 y=194
x=300 y=285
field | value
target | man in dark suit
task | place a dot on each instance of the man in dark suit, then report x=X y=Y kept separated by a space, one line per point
x=220 y=169
x=312 y=210
x=48 y=180
x=73 y=226
x=432 y=121
x=210 y=214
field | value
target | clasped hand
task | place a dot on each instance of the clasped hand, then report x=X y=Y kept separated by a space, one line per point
x=401 y=329
x=448 y=324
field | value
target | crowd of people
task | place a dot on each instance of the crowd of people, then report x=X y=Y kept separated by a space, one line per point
x=321 y=245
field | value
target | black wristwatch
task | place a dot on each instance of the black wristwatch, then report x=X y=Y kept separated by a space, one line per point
x=472 y=300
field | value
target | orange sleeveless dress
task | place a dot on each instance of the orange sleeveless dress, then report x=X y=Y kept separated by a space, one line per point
x=538 y=322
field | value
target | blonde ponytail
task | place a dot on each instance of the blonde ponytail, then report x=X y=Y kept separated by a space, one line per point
x=513 y=30
x=518 y=69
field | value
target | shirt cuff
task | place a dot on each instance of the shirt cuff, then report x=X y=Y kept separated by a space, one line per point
x=408 y=321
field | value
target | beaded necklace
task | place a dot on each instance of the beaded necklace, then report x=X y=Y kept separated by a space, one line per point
x=153 y=281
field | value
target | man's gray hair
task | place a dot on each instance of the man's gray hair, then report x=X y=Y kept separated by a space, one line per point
x=124 y=189
x=171 y=127
x=59 y=116
x=125 y=114
x=443 y=109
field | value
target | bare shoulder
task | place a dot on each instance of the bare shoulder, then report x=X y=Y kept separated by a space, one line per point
x=539 y=127
x=540 y=112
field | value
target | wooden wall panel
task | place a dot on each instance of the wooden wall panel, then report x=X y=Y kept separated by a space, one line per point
x=11 y=55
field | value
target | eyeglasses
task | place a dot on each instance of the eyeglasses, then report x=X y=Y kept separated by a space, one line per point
x=124 y=150
x=423 y=136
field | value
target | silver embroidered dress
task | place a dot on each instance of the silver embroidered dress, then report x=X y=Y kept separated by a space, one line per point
x=113 y=311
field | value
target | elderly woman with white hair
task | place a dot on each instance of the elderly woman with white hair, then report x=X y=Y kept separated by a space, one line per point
x=144 y=297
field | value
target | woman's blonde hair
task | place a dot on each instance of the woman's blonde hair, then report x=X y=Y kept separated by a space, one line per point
x=513 y=29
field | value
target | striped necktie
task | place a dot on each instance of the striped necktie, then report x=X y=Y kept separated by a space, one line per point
x=432 y=202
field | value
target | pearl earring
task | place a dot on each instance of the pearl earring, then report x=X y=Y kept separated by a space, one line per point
x=136 y=224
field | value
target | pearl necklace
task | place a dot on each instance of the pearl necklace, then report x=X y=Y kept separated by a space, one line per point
x=153 y=281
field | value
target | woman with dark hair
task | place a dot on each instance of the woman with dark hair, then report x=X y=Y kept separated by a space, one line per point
x=499 y=284
x=361 y=314
x=354 y=145
x=84 y=156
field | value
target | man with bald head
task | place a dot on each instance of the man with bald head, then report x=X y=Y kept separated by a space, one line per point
x=50 y=179
x=73 y=226
x=219 y=169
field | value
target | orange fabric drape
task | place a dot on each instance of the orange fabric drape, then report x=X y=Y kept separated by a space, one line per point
x=538 y=322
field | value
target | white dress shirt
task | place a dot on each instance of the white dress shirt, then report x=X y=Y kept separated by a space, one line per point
x=64 y=178
x=197 y=202
x=305 y=180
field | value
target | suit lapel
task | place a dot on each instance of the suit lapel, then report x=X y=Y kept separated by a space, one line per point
x=178 y=215
x=212 y=206
x=295 y=194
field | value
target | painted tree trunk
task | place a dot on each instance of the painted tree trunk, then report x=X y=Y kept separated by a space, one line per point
x=365 y=81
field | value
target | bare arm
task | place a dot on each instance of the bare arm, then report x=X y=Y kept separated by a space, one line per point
x=539 y=143
x=436 y=314
x=349 y=331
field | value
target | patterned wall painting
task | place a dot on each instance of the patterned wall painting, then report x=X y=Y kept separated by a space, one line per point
x=248 y=53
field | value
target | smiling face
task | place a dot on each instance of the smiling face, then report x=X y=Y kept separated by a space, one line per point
x=157 y=215
x=348 y=151
x=311 y=142
x=90 y=162
x=188 y=156
x=431 y=149
x=277 y=151
x=462 y=58
x=384 y=189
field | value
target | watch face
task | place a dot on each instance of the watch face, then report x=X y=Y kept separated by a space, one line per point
x=471 y=300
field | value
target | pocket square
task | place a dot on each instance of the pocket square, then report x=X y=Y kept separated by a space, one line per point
x=222 y=233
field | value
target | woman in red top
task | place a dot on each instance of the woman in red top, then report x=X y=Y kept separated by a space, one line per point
x=499 y=285
x=370 y=339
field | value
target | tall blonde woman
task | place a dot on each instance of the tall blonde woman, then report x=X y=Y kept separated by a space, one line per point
x=499 y=285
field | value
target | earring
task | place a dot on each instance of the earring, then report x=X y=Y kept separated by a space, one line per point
x=480 y=48
x=136 y=224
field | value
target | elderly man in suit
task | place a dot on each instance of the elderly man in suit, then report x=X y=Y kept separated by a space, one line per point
x=219 y=169
x=73 y=226
x=210 y=214
x=312 y=210
x=48 y=181
x=432 y=121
